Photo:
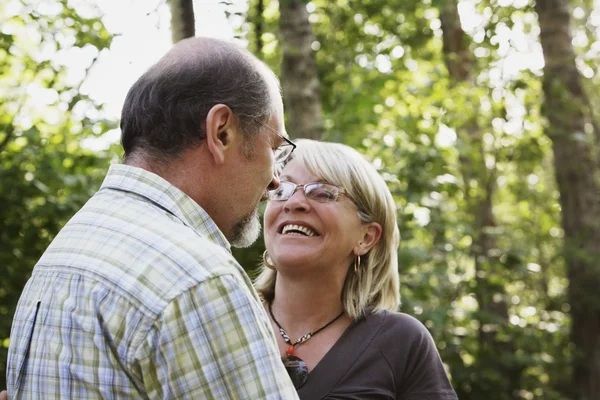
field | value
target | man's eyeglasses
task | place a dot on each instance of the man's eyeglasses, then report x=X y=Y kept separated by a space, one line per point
x=284 y=150
x=321 y=192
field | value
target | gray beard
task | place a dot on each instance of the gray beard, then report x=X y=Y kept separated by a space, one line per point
x=246 y=231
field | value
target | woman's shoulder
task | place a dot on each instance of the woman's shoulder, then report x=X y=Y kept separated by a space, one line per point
x=408 y=348
x=398 y=324
x=396 y=320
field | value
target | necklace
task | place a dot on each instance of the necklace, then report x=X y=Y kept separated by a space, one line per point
x=286 y=338
x=295 y=366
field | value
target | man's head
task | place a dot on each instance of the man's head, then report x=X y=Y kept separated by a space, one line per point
x=207 y=117
x=165 y=110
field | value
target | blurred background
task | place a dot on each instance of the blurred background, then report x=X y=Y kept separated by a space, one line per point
x=480 y=114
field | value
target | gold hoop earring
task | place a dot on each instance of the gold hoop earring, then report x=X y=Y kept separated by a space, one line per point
x=357 y=265
x=267 y=260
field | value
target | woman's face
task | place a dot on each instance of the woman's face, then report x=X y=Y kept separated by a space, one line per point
x=303 y=234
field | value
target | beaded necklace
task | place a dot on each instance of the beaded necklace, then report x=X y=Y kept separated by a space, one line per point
x=304 y=338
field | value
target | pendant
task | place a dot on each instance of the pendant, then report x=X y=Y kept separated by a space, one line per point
x=297 y=369
x=290 y=350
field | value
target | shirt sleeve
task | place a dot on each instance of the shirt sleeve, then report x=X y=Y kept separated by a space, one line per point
x=424 y=376
x=214 y=342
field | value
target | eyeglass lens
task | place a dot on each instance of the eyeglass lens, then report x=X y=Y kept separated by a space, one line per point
x=321 y=192
x=282 y=153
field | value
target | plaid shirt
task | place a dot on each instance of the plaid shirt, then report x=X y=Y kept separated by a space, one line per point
x=139 y=297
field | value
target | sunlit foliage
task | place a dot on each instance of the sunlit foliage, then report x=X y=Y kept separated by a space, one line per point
x=46 y=171
x=386 y=91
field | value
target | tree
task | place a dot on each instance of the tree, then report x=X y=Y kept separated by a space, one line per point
x=473 y=160
x=260 y=10
x=576 y=169
x=479 y=182
x=386 y=91
x=182 y=19
x=299 y=79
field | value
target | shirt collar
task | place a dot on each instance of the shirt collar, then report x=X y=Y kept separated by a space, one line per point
x=160 y=192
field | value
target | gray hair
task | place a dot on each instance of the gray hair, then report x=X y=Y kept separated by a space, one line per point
x=165 y=110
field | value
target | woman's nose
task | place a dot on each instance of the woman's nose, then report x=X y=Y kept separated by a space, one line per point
x=297 y=201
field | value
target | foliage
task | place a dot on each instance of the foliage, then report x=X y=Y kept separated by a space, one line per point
x=46 y=173
x=386 y=91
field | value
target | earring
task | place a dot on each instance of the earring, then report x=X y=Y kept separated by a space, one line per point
x=357 y=265
x=267 y=260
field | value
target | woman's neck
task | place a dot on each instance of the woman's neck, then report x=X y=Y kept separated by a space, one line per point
x=304 y=305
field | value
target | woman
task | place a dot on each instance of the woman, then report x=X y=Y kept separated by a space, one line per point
x=330 y=279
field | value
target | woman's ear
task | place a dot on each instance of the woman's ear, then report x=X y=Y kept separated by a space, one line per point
x=371 y=233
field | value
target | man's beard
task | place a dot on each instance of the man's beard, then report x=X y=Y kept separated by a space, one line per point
x=246 y=231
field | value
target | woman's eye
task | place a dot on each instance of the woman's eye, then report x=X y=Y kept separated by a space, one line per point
x=276 y=194
x=323 y=195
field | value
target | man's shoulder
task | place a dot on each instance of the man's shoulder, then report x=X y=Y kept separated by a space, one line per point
x=137 y=250
x=171 y=267
x=142 y=225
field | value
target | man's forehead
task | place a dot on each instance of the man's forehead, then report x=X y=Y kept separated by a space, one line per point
x=276 y=125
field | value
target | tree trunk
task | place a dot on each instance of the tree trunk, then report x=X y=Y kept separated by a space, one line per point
x=576 y=172
x=479 y=189
x=182 y=19
x=299 y=78
x=260 y=9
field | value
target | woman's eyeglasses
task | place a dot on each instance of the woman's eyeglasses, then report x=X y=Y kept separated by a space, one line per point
x=321 y=192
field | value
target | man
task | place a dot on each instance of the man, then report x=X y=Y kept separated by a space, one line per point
x=139 y=296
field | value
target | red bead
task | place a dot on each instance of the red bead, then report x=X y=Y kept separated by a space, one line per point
x=290 y=351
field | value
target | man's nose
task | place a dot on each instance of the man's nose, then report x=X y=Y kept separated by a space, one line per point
x=275 y=182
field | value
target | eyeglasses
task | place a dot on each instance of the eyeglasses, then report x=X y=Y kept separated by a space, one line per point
x=282 y=154
x=284 y=150
x=321 y=192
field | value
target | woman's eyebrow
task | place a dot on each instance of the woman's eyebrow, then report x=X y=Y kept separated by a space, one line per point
x=290 y=179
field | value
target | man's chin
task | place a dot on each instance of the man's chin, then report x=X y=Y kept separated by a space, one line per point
x=246 y=231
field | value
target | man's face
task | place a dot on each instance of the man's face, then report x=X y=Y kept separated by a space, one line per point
x=255 y=176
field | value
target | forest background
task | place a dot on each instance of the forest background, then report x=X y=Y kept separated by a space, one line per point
x=482 y=116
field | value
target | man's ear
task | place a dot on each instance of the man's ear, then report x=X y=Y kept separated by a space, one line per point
x=221 y=127
x=371 y=233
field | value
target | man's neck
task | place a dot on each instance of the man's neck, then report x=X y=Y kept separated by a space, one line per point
x=191 y=173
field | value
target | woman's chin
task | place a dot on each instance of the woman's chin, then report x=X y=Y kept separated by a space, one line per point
x=293 y=264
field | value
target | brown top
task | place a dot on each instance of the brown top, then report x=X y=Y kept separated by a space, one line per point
x=382 y=356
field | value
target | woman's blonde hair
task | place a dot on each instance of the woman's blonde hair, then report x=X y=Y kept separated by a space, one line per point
x=377 y=284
